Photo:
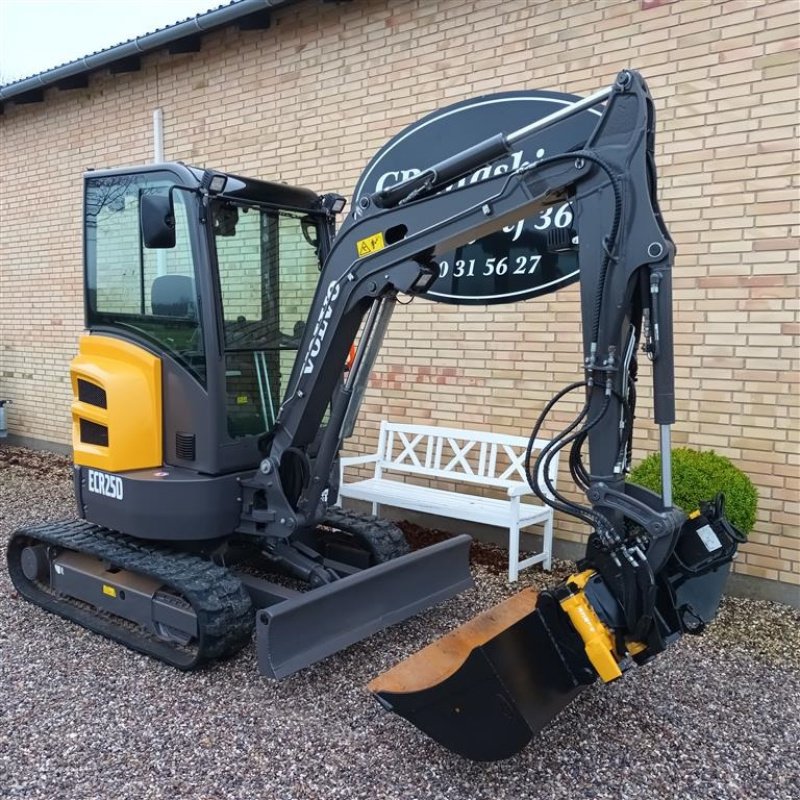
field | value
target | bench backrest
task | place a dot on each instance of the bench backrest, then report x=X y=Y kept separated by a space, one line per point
x=481 y=457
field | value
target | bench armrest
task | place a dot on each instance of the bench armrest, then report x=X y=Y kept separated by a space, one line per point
x=519 y=489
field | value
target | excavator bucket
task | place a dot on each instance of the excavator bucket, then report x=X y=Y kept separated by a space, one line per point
x=300 y=631
x=484 y=689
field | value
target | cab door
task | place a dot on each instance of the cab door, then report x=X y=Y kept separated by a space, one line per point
x=145 y=313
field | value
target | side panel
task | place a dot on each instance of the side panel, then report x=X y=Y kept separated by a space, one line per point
x=166 y=504
x=188 y=411
x=116 y=407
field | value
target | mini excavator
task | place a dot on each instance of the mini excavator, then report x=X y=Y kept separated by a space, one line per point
x=190 y=482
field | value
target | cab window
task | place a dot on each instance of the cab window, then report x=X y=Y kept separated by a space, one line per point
x=151 y=294
x=268 y=271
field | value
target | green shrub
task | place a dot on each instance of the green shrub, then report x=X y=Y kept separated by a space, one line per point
x=698 y=476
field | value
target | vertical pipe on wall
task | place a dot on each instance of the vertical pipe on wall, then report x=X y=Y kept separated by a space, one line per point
x=158 y=136
x=3 y=426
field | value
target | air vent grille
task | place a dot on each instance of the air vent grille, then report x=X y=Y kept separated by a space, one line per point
x=185 y=446
x=92 y=433
x=92 y=394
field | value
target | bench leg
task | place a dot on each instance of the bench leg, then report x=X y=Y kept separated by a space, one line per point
x=548 y=543
x=375 y=509
x=513 y=552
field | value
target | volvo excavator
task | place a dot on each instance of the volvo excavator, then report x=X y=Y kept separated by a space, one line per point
x=191 y=483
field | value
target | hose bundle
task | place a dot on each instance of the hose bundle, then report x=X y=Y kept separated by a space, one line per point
x=569 y=436
x=547 y=492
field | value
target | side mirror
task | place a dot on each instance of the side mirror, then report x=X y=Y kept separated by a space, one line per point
x=310 y=231
x=157 y=220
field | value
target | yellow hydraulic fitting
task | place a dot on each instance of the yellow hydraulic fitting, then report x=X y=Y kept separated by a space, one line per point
x=598 y=640
x=634 y=648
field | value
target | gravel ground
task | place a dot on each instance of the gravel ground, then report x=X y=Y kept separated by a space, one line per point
x=715 y=717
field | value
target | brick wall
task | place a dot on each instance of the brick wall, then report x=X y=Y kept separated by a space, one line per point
x=311 y=99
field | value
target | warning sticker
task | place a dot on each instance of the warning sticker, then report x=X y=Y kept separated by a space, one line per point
x=109 y=590
x=709 y=539
x=371 y=244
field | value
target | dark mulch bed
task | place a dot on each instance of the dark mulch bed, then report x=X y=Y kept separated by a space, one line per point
x=494 y=558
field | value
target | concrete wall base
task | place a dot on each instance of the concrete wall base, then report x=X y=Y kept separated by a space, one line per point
x=762 y=589
x=36 y=444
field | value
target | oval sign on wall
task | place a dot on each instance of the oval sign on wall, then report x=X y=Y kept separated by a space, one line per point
x=512 y=264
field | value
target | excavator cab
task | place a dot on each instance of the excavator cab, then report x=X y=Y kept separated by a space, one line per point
x=217 y=280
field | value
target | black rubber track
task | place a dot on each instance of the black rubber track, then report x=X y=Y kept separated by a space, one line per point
x=225 y=616
x=382 y=538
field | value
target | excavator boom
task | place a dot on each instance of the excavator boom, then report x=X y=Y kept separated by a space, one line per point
x=649 y=574
x=389 y=245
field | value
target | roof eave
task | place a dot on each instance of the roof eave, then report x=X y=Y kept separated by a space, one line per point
x=201 y=23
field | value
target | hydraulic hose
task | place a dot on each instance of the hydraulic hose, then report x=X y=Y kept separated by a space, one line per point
x=542 y=466
x=562 y=441
x=557 y=503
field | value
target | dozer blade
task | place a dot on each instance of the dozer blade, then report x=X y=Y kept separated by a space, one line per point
x=300 y=631
x=484 y=689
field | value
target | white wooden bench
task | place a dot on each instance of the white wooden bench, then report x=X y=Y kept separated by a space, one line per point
x=461 y=457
